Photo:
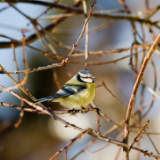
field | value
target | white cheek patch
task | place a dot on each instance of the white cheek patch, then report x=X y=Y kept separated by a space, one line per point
x=87 y=80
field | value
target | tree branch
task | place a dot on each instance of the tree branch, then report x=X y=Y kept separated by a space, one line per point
x=133 y=94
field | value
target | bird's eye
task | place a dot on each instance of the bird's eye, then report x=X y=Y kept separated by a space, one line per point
x=86 y=77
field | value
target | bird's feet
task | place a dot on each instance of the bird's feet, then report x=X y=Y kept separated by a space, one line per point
x=84 y=110
x=72 y=111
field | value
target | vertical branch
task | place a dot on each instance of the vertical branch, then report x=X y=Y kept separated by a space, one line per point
x=22 y=95
x=81 y=35
x=15 y=60
x=55 y=77
x=142 y=92
x=136 y=51
x=26 y=68
x=16 y=125
x=133 y=94
x=87 y=33
x=24 y=50
x=118 y=153
x=147 y=4
x=154 y=88
x=98 y=120
x=152 y=62
x=65 y=157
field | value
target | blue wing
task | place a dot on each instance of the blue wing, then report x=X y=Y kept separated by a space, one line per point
x=65 y=91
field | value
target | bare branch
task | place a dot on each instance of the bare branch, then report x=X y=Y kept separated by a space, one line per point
x=134 y=91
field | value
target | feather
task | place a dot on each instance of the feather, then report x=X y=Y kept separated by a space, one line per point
x=65 y=91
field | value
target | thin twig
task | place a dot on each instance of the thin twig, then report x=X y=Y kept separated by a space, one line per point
x=72 y=141
x=138 y=134
x=134 y=91
x=16 y=125
x=105 y=86
x=124 y=5
x=81 y=35
x=92 y=133
x=156 y=149
x=65 y=157
x=87 y=33
x=26 y=68
x=118 y=153
x=49 y=27
x=98 y=120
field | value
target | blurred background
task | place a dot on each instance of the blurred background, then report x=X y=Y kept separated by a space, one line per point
x=39 y=136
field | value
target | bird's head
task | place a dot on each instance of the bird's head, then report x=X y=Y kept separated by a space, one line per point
x=85 y=76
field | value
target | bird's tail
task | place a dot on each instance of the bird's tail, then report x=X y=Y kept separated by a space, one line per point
x=49 y=98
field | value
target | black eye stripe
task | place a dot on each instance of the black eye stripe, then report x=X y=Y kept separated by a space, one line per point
x=78 y=78
x=86 y=77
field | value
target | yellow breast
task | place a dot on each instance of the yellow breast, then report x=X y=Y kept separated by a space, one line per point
x=80 y=99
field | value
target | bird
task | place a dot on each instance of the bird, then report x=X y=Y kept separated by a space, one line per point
x=76 y=93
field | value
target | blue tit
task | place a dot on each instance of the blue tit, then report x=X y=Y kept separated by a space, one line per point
x=78 y=92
